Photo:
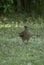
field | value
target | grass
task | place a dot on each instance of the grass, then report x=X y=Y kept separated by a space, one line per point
x=14 y=52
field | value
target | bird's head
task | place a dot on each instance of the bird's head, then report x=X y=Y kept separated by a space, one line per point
x=26 y=27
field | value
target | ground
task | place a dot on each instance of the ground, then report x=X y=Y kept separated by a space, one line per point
x=14 y=52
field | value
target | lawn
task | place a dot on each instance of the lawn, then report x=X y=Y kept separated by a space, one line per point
x=14 y=52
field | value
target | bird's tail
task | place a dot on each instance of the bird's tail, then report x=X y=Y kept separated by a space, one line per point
x=20 y=34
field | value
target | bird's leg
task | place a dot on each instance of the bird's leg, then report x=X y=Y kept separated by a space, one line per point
x=26 y=42
x=23 y=40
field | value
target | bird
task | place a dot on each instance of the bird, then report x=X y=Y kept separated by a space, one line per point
x=26 y=34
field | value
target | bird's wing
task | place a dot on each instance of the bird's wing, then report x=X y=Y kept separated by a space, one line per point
x=21 y=34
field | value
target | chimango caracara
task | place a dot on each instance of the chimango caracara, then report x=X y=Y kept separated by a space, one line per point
x=26 y=34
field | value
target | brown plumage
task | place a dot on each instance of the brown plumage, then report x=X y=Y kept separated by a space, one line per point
x=26 y=34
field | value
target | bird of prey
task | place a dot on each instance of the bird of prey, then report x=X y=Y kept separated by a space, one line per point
x=26 y=34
